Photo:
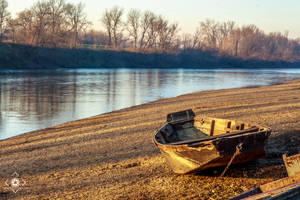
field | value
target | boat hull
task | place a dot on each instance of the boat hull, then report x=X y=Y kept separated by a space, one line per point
x=185 y=159
x=191 y=144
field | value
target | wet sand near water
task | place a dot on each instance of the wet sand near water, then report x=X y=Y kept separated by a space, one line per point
x=112 y=156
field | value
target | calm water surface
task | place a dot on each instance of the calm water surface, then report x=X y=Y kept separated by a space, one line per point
x=34 y=100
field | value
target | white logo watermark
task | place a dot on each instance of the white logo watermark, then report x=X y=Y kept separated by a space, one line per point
x=15 y=183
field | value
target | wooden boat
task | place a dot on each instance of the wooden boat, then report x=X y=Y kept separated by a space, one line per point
x=285 y=188
x=192 y=143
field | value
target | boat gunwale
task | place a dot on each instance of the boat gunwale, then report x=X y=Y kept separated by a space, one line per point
x=266 y=129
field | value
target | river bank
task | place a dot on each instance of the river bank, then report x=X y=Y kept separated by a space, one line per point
x=112 y=156
x=24 y=57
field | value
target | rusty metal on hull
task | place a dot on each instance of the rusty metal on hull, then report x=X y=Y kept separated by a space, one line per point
x=191 y=143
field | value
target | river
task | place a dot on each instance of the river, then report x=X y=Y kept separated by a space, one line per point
x=32 y=100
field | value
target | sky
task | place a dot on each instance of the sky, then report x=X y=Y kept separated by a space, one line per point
x=268 y=15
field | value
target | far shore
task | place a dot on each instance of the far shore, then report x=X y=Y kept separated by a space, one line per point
x=112 y=156
x=26 y=57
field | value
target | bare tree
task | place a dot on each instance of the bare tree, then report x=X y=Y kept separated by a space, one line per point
x=145 y=25
x=112 y=20
x=4 y=16
x=186 y=41
x=151 y=34
x=40 y=12
x=250 y=42
x=209 y=30
x=24 y=25
x=12 y=29
x=225 y=30
x=133 y=25
x=197 y=39
x=236 y=37
x=162 y=32
x=117 y=24
x=166 y=34
x=170 y=42
x=107 y=22
x=51 y=23
x=56 y=18
x=77 y=21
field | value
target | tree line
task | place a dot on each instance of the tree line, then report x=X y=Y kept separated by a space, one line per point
x=52 y=23
x=56 y=23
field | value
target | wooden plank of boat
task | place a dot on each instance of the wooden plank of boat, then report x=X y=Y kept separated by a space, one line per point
x=191 y=143
x=291 y=190
x=292 y=164
x=280 y=183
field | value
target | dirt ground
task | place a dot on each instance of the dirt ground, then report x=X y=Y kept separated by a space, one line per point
x=112 y=156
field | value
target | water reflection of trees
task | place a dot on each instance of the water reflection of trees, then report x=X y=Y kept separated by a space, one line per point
x=57 y=97
x=45 y=94
x=36 y=95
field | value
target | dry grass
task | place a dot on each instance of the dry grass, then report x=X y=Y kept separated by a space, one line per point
x=112 y=156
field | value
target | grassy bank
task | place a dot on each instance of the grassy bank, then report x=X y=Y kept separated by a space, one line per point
x=112 y=156
x=15 y=56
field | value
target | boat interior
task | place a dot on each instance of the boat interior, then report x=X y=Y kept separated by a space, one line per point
x=184 y=127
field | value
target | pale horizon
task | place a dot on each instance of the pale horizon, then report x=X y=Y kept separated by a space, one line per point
x=269 y=16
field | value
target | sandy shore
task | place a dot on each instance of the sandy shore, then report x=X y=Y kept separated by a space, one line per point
x=112 y=156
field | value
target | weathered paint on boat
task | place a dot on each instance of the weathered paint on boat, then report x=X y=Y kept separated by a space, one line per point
x=192 y=143
x=292 y=164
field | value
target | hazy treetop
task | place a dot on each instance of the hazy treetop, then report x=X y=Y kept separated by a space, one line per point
x=268 y=15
